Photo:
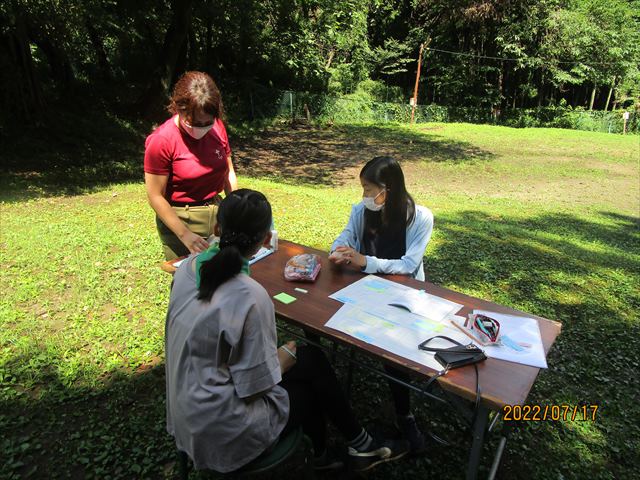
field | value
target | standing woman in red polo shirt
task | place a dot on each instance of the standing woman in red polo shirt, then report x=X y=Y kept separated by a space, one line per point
x=187 y=164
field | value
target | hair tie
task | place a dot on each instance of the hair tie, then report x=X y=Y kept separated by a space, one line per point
x=239 y=239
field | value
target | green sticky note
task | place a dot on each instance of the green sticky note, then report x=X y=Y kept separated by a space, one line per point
x=284 y=298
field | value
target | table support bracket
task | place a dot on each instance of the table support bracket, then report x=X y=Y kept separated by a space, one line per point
x=478 y=431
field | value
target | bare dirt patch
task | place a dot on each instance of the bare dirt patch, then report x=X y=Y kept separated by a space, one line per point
x=333 y=156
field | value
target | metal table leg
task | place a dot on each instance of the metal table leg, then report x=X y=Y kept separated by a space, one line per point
x=478 y=430
x=506 y=431
x=352 y=354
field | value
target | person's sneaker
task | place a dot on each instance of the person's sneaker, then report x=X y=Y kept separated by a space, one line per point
x=409 y=430
x=329 y=460
x=380 y=451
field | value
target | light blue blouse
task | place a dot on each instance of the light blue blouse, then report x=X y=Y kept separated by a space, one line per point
x=417 y=238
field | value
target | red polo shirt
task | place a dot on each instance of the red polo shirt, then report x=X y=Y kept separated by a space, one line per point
x=197 y=169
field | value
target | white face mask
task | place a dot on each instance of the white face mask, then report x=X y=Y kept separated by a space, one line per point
x=370 y=203
x=195 y=132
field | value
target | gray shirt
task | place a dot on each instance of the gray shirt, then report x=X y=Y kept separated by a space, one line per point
x=218 y=355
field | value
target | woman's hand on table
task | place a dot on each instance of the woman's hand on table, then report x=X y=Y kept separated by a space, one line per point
x=338 y=257
x=287 y=356
x=346 y=255
x=195 y=243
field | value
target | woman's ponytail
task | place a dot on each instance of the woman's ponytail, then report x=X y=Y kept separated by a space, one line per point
x=227 y=263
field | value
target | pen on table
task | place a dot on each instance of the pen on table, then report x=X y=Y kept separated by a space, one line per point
x=464 y=330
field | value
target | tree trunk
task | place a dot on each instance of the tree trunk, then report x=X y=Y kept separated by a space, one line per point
x=208 y=49
x=613 y=83
x=57 y=57
x=332 y=52
x=541 y=91
x=24 y=95
x=593 y=97
x=193 y=56
x=182 y=62
x=246 y=34
x=541 y=95
x=501 y=85
x=585 y=96
x=173 y=44
x=98 y=47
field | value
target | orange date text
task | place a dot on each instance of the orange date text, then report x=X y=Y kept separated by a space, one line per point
x=542 y=413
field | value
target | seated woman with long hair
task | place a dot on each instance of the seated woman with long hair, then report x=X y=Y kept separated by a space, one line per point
x=388 y=233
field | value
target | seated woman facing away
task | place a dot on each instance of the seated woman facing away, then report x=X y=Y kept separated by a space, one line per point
x=388 y=233
x=230 y=391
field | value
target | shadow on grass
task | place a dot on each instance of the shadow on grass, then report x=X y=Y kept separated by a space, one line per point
x=116 y=431
x=71 y=153
x=500 y=249
x=584 y=274
x=75 y=153
x=332 y=155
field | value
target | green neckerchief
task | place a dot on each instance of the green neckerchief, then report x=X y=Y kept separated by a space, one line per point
x=208 y=254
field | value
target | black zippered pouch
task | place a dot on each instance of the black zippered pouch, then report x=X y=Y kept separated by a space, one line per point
x=456 y=356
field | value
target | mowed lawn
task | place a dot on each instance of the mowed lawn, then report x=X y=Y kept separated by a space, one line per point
x=543 y=220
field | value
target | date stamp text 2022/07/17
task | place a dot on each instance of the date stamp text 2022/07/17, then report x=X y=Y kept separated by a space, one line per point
x=542 y=413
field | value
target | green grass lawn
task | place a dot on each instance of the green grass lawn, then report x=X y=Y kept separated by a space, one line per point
x=542 y=220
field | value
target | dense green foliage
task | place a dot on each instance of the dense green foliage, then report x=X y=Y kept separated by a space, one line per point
x=490 y=54
x=543 y=220
x=367 y=105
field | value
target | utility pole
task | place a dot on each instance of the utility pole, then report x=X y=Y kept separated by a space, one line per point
x=414 y=101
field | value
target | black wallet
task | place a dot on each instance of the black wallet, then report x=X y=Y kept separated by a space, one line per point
x=457 y=356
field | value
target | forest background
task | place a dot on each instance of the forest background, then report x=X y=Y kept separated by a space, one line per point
x=517 y=62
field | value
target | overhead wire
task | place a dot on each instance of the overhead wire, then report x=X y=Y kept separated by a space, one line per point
x=507 y=59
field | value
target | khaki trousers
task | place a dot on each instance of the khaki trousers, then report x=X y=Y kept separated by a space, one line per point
x=200 y=220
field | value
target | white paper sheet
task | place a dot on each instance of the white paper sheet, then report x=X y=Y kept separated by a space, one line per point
x=395 y=330
x=425 y=304
x=374 y=293
x=260 y=254
x=370 y=290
